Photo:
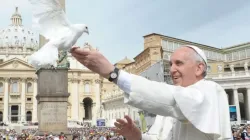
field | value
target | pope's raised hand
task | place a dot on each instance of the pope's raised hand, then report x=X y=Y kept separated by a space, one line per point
x=127 y=128
x=93 y=60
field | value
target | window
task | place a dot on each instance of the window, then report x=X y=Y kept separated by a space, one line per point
x=206 y=52
x=229 y=57
x=14 y=86
x=28 y=116
x=242 y=54
x=235 y=56
x=1 y=116
x=222 y=57
x=1 y=99
x=248 y=53
x=1 y=87
x=164 y=45
x=208 y=68
x=28 y=99
x=86 y=88
x=29 y=87
x=176 y=45
x=214 y=55
x=170 y=46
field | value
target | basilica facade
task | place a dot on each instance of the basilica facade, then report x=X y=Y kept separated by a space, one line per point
x=18 y=79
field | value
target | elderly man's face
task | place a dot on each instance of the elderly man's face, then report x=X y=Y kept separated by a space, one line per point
x=185 y=70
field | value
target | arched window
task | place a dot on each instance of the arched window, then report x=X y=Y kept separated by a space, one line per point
x=29 y=87
x=14 y=86
x=28 y=116
x=1 y=87
x=1 y=116
x=87 y=88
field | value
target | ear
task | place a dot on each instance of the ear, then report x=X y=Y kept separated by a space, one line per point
x=200 y=69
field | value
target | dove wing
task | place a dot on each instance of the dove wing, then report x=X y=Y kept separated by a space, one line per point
x=48 y=17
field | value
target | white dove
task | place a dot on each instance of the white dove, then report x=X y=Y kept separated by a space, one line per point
x=50 y=18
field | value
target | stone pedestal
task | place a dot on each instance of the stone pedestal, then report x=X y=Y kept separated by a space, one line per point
x=52 y=98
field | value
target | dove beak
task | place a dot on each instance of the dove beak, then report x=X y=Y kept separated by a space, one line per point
x=87 y=32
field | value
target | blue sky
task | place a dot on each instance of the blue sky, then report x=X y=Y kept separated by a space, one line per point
x=117 y=27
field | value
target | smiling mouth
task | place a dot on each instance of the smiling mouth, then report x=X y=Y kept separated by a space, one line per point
x=175 y=78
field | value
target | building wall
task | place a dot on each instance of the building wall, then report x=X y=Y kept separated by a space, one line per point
x=114 y=108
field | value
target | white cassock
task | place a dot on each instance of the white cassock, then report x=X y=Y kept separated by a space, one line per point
x=201 y=109
x=161 y=129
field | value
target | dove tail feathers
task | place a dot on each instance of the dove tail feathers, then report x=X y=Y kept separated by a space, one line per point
x=45 y=57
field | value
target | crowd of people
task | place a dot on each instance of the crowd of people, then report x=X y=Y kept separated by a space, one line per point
x=95 y=133
x=241 y=132
x=88 y=133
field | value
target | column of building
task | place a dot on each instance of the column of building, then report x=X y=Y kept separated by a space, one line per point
x=75 y=99
x=34 y=112
x=93 y=107
x=81 y=103
x=236 y=103
x=6 y=100
x=97 y=98
x=23 y=114
x=247 y=103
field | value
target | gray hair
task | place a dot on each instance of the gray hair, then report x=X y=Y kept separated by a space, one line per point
x=199 y=59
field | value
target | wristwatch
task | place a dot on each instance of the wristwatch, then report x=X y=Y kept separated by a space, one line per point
x=114 y=75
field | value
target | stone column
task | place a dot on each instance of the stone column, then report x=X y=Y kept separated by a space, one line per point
x=75 y=99
x=81 y=111
x=236 y=103
x=93 y=113
x=97 y=98
x=247 y=103
x=9 y=113
x=232 y=70
x=6 y=100
x=23 y=114
x=52 y=97
x=34 y=112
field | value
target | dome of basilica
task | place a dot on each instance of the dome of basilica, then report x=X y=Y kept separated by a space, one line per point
x=16 y=36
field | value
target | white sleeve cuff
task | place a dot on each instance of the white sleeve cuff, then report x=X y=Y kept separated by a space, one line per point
x=124 y=81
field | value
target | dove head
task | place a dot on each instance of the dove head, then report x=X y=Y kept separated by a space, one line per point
x=82 y=27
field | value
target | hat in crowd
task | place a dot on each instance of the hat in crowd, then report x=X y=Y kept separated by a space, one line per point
x=198 y=51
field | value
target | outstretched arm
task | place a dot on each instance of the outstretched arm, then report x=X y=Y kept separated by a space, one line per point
x=155 y=97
